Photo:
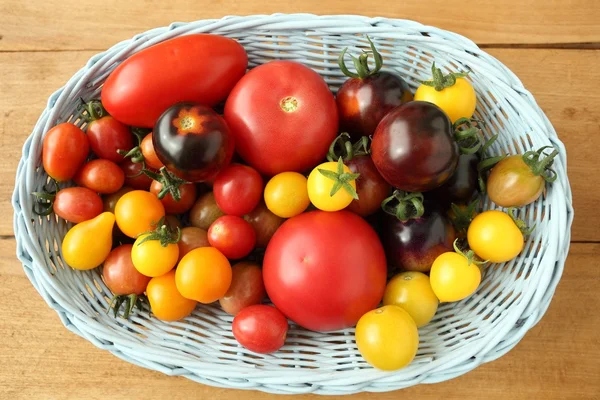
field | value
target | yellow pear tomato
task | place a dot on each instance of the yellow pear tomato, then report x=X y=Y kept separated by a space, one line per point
x=87 y=244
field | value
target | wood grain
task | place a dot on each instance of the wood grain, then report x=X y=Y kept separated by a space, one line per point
x=74 y=25
x=558 y=359
x=560 y=80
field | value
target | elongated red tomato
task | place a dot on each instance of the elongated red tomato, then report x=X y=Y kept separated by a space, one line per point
x=201 y=68
x=64 y=150
x=77 y=204
x=283 y=117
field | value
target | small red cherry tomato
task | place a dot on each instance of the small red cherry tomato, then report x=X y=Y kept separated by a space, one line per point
x=120 y=275
x=187 y=191
x=102 y=176
x=238 y=189
x=233 y=236
x=260 y=328
x=64 y=150
x=77 y=204
x=106 y=134
x=149 y=153
x=134 y=177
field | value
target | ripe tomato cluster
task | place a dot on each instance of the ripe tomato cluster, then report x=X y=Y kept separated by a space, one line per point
x=293 y=194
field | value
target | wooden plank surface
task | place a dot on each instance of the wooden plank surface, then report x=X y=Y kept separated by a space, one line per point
x=557 y=359
x=560 y=80
x=73 y=24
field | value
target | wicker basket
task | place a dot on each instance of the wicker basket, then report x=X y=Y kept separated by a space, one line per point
x=511 y=299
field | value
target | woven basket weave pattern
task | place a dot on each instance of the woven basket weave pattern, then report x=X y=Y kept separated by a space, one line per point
x=512 y=296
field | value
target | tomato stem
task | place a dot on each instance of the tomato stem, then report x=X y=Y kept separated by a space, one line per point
x=361 y=64
x=522 y=225
x=341 y=179
x=440 y=81
x=462 y=217
x=542 y=167
x=343 y=147
x=169 y=181
x=487 y=163
x=163 y=233
x=409 y=205
x=93 y=110
x=469 y=254
x=131 y=301
x=44 y=200
x=467 y=135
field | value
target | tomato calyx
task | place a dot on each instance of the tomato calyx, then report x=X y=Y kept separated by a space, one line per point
x=461 y=217
x=135 y=154
x=163 y=233
x=487 y=163
x=440 y=81
x=44 y=200
x=541 y=167
x=342 y=147
x=522 y=225
x=469 y=254
x=131 y=301
x=169 y=181
x=409 y=205
x=467 y=135
x=92 y=110
x=341 y=179
x=361 y=64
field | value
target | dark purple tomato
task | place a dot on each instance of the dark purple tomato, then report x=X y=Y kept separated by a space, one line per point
x=413 y=147
x=414 y=245
x=462 y=184
x=192 y=141
x=371 y=188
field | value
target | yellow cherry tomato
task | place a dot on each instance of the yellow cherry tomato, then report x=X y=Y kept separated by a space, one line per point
x=153 y=258
x=137 y=212
x=387 y=338
x=204 y=274
x=332 y=186
x=165 y=301
x=87 y=244
x=412 y=292
x=286 y=195
x=495 y=237
x=453 y=277
x=457 y=100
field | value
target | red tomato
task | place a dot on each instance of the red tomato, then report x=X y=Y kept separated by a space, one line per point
x=233 y=236
x=77 y=204
x=238 y=189
x=120 y=275
x=134 y=176
x=187 y=192
x=64 y=150
x=201 y=68
x=149 y=153
x=324 y=270
x=102 y=176
x=260 y=328
x=106 y=134
x=283 y=117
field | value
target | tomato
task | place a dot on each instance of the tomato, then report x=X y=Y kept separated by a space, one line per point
x=192 y=141
x=283 y=117
x=238 y=189
x=412 y=242
x=247 y=288
x=205 y=211
x=119 y=274
x=77 y=204
x=454 y=277
x=365 y=98
x=412 y=291
x=204 y=275
x=452 y=93
x=413 y=147
x=134 y=177
x=233 y=236
x=286 y=194
x=191 y=238
x=148 y=82
x=110 y=200
x=461 y=186
x=102 y=176
x=64 y=150
x=317 y=265
x=332 y=186
x=186 y=191
x=147 y=149
x=260 y=328
x=387 y=338
x=138 y=212
x=166 y=302
x=264 y=223
x=520 y=179
x=87 y=244
x=494 y=236
x=155 y=253
x=106 y=135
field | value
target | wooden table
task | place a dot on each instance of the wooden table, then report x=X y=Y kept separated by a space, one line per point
x=552 y=45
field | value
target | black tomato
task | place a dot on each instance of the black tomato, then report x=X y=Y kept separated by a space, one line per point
x=462 y=185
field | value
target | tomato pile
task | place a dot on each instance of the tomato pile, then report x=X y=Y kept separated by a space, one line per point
x=196 y=182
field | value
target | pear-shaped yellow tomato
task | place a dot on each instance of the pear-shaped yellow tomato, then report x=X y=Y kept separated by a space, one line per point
x=88 y=243
x=332 y=186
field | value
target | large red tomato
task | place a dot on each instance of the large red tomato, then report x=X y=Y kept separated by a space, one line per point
x=283 y=117
x=324 y=270
x=200 y=68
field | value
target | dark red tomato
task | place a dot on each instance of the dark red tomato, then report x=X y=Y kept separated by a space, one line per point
x=283 y=117
x=106 y=134
x=110 y=201
x=119 y=274
x=200 y=68
x=413 y=147
x=461 y=186
x=147 y=148
x=187 y=191
x=324 y=270
x=77 y=204
x=265 y=224
x=238 y=189
x=102 y=176
x=64 y=150
x=134 y=176
x=232 y=236
x=192 y=141
x=205 y=211
x=247 y=288
x=260 y=328
x=371 y=188
x=192 y=238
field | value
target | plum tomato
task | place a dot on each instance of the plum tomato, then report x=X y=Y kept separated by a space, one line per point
x=64 y=150
x=233 y=236
x=77 y=204
x=286 y=194
x=238 y=189
x=191 y=238
x=265 y=224
x=247 y=288
x=204 y=275
x=205 y=211
x=106 y=135
x=260 y=328
x=102 y=176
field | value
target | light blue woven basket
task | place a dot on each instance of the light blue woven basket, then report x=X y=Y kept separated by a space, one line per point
x=512 y=297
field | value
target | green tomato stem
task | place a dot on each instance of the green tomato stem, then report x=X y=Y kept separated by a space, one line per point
x=341 y=179
x=404 y=205
x=361 y=63
x=440 y=81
